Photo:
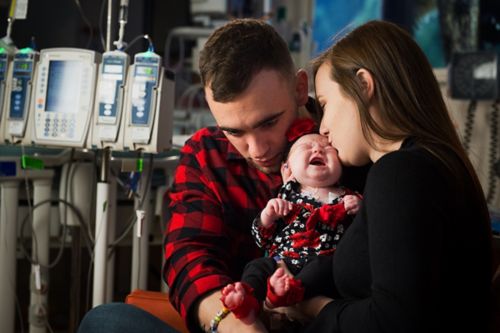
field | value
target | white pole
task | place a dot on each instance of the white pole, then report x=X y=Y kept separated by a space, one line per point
x=8 y=238
x=109 y=17
x=101 y=244
x=110 y=270
x=160 y=192
x=140 y=243
x=41 y=246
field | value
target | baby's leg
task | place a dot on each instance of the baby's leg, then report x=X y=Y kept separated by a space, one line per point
x=240 y=300
x=283 y=289
x=280 y=282
x=233 y=295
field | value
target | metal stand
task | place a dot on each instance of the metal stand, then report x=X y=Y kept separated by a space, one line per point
x=140 y=244
x=41 y=247
x=101 y=233
x=8 y=222
x=110 y=271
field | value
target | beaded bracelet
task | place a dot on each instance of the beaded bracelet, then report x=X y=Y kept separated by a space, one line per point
x=221 y=314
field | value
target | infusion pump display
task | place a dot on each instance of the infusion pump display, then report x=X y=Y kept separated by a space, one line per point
x=145 y=80
x=64 y=95
x=110 y=95
x=4 y=61
x=23 y=67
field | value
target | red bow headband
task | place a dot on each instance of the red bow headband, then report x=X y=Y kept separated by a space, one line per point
x=299 y=128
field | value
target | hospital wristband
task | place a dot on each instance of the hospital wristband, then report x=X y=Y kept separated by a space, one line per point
x=221 y=314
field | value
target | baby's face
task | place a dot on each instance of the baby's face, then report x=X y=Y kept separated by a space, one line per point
x=314 y=162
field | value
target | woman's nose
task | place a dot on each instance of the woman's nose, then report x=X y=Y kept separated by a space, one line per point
x=323 y=130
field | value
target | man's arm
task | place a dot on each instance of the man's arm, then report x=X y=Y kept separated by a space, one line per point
x=197 y=244
x=206 y=309
x=195 y=237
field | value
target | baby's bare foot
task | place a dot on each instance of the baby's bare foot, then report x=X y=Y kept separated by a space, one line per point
x=280 y=282
x=233 y=295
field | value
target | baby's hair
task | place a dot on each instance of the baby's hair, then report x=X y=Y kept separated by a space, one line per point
x=288 y=147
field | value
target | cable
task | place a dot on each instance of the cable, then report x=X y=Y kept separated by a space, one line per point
x=101 y=18
x=26 y=187
x=140 y=207
x=137 y=38
x=492 y=180
x=131 y=223
x=148 y=181
x=89 y=280
x=469 y=124
x=20 y=314
x=167 y=50
x=86 y=21
x=141 y=199
x=47 y=325
x=61 y=247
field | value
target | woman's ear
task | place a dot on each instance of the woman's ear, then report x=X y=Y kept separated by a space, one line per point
x=301 y=87
x=286 y=172
x=366 y=79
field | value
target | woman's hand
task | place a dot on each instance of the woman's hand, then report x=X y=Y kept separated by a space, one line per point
x=304 y=311
x=312 y=307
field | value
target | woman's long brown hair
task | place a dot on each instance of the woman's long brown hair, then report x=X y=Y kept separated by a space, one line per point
x=406 y=91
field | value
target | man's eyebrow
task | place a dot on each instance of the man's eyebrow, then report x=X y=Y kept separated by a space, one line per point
x=257 y=125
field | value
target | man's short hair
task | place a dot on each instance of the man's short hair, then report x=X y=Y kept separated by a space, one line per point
x=237 y=51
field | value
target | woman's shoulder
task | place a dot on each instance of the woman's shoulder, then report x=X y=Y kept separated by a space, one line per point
x=406 y=159
x=415 y=165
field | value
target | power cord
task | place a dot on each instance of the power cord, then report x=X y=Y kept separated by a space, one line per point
x=469 y=124
x=34 y=261
x=87 y=22
x=492 y=180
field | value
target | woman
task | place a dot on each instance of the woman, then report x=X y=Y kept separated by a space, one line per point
x=417 y=257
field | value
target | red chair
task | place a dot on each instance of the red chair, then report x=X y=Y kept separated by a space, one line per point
x=158 y=304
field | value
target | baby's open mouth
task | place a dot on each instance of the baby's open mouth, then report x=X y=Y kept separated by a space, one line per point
x=317 y=161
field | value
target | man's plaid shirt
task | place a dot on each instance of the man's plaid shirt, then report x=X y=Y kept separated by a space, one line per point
x=215 y=196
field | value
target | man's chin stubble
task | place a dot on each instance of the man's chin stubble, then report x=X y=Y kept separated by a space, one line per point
x=264 y=169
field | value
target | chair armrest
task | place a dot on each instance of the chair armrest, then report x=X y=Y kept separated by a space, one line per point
x=158 y=304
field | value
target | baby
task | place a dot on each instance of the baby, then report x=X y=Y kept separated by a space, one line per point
x=299 y=229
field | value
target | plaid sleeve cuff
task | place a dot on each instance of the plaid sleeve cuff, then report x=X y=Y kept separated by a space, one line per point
x=195 y=292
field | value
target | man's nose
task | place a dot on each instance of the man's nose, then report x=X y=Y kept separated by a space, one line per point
x=257 y=147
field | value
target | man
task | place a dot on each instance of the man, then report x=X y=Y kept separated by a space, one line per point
x=226 y=174
x=225 y=177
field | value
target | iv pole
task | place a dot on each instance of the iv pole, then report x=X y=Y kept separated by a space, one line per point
x=102 y=212
x=8 y=223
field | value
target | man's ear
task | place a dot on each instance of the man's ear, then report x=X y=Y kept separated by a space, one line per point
x=286 y=172
x=301 y=87
x=366 y=79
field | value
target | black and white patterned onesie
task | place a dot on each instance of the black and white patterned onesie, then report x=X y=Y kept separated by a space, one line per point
x=304 y=240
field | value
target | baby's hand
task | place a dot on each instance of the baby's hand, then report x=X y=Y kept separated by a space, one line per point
x=351 y=204
x=275 y=209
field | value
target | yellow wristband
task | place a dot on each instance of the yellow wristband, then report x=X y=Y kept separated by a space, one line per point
x=221 y=314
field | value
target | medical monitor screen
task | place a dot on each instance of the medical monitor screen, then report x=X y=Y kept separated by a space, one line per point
x=113 y=69
x=63 y=86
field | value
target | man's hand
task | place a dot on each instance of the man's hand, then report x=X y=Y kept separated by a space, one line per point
x=208 y=307
x=275 y=209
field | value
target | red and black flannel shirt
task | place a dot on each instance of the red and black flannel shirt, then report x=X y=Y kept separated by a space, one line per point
x=215 y=196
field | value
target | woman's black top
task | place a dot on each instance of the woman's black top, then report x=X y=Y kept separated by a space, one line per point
x=417 y=257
